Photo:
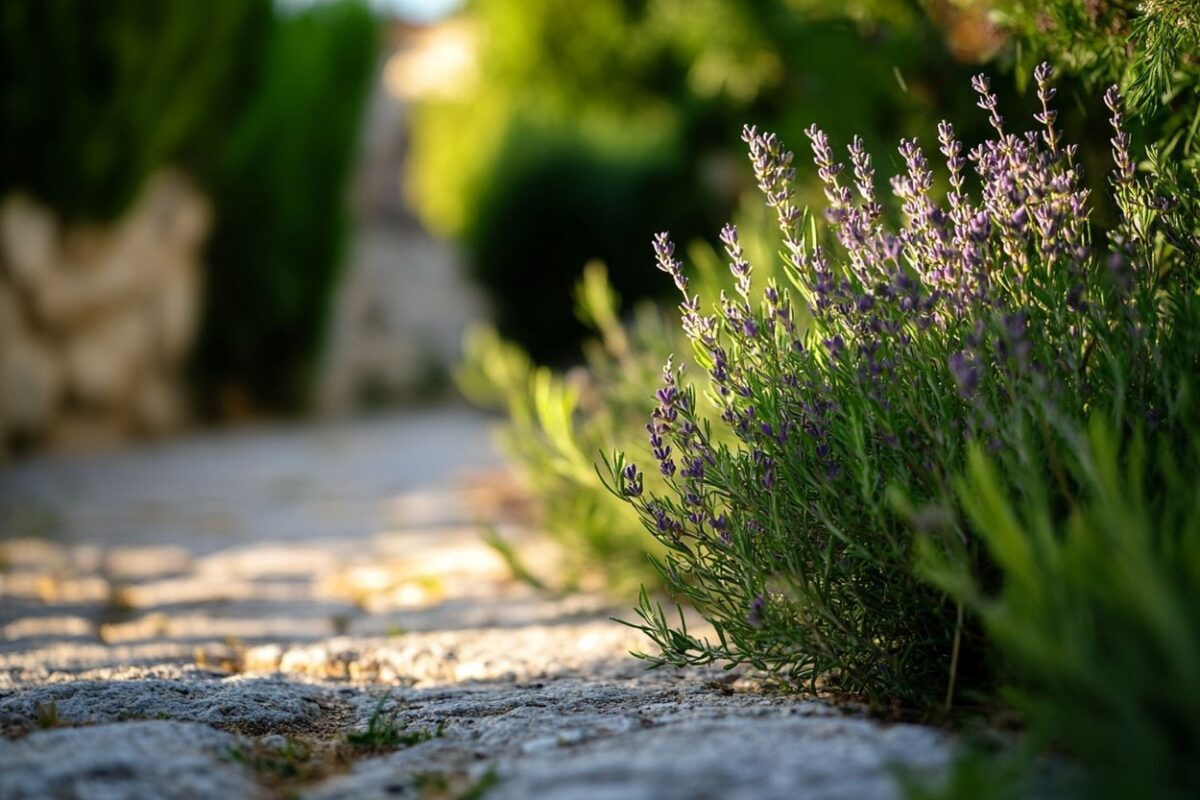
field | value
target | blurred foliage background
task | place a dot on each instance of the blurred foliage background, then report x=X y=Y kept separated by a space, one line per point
x=582 y=130
x=570 y=133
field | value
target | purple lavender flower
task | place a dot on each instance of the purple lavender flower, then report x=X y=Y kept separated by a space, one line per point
x=664 y=523
x=720 y=524
x=737 y=264
x=1123 y=174
x=664 y=252
x=774 y=172
x=988 y=102
x=951 y=148
x=828 y=171
x=755 y=615
x=631 y=485
x=965 y=372
x=659 y=448
x=1042 y=74
x=667 y=396
x=864 y=177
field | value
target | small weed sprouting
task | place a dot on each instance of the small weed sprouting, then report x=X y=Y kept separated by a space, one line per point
x=382 y=733
x=440 y=786
x=991 y=319
x=432 y=785
x=47 y=715
x=291 y=762
x=479 y=788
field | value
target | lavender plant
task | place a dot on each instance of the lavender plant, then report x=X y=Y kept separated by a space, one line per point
x=988 y=316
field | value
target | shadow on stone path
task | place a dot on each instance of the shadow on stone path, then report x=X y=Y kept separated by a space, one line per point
x=311 y=612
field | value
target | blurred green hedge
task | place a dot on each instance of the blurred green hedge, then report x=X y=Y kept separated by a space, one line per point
x=558 y=200
x=94 y=96
x=587 y=127
x=281 y=219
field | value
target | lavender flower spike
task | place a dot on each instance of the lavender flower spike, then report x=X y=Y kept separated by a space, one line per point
x=1120 y=141
x=738 y=264
x=1046 y=93
x=774 y=173
x=988 y=101
x=631 y=483
x=664 y=252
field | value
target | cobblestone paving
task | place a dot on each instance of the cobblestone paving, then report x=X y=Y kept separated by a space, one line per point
x=311 y=612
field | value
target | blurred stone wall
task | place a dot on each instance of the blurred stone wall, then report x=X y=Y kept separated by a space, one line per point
x=96 y=321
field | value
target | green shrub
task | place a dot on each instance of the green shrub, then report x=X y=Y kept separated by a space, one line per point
x=1151 y=50
x=280 y=189
x=561 y=201
x=95 y=96
x=1097 y=615
x=981 y=320
x=1148 y=47
x=555 y=424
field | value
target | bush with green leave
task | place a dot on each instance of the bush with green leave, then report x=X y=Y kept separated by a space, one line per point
x=1149 y=47
x=556 y=423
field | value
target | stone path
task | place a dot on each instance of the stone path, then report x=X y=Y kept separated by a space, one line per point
x=311 y=612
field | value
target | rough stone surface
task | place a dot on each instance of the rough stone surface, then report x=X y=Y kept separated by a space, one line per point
x=287 y=592
x=671 y=735
x=249 y=705
x=130 y=761
x=30 y=382
x=734 y=757
x=28 y=234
